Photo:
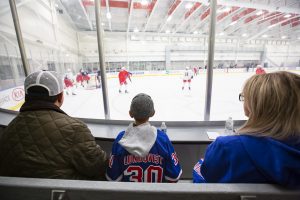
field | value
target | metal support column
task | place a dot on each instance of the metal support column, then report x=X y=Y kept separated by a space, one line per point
x=210 y=60
x=14 y=14
x=101 y=59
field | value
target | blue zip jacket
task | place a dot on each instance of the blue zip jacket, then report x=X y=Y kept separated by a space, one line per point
x=250 y=159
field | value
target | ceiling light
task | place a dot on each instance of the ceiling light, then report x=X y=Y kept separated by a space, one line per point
x=265 y=36
x=287 y=15
x=168 y=31
x=227 y=9
x=283 y=37
x=222 y=33
x=108 y=15
x=136 y=30
x=103 y=24
x=271 y=26
x=244 y=35
x=195 y=32
x=259 y=12
x=233 y=23
x=188 y=6
x=144 y=2
x=169 y=18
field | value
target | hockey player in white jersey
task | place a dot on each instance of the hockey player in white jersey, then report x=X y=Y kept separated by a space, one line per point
x=187 y=77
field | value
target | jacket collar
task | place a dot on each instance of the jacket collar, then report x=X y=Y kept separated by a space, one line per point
x=40 y=105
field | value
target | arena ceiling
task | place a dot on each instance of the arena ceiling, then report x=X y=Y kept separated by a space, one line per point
x=248 y=19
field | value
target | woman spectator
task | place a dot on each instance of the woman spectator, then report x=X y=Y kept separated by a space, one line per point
x=266 y=148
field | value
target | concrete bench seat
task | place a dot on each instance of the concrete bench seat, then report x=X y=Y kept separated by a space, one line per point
x=12 y=188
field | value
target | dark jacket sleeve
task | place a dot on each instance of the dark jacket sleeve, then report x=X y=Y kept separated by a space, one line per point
x=88 y=157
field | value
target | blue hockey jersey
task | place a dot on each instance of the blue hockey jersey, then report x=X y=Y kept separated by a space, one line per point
x=143 y=154
x=250 y=159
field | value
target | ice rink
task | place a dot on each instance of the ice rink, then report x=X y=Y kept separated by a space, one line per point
x=170 y=101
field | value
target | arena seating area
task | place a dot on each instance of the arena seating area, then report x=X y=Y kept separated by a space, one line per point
x=12 y=188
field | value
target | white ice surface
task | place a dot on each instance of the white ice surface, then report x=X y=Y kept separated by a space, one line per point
x=171 y=103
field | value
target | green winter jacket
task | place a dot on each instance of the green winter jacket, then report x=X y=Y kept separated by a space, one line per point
x=44 y=142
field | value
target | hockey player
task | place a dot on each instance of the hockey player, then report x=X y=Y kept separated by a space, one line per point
x=69 y=80
x=143 y=153
x=123 y=75
x=259 y=70
x=187 y=77
x=98 y=79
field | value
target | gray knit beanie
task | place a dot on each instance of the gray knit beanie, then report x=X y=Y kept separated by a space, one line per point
x=142 y=107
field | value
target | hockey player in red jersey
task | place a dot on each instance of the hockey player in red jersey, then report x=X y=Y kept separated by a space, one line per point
x=260 y=70
x=123 y=75
x=69 y=80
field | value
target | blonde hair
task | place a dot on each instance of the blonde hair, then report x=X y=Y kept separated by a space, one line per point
x=273 y=101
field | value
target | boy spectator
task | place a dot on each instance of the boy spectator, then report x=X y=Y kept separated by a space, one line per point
x=143 y=153
x=44 y=142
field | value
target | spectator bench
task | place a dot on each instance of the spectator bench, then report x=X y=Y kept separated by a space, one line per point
x=12 y=188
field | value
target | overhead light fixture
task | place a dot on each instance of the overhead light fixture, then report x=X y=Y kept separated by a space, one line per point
x=265 y=36
x=108 y=15
x=226 y=9
x=259 y=12
x=271 y=26
x=188 y=5
x=283 y=37
x=103 y=24
x=144 y=2
x=233 y=23
x=168 y=31
x=169 y=18
x=195 y=32
x=136 y=30
x=222 y=33
x=244 y=35
x=287 y=15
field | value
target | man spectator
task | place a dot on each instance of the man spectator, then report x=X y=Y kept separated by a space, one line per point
x=44 y=142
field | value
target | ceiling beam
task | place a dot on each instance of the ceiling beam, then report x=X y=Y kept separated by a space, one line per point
x=86 y=15
x=153 y=6
x=173 y=8
x=203 y=19
x=224 y=15
x=259 y=6
x=129 y=14
x=268 y=28
x=108 y=11
x=238 y=19
x=189 y=14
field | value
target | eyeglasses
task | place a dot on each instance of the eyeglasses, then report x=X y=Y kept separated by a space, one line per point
x=241 y=97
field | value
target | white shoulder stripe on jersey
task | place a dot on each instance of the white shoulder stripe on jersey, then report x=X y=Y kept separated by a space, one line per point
x=174 y=179
x=117 y=180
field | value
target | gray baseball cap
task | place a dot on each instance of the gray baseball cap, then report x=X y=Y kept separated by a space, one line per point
x=142 y=106
x=49 y=80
